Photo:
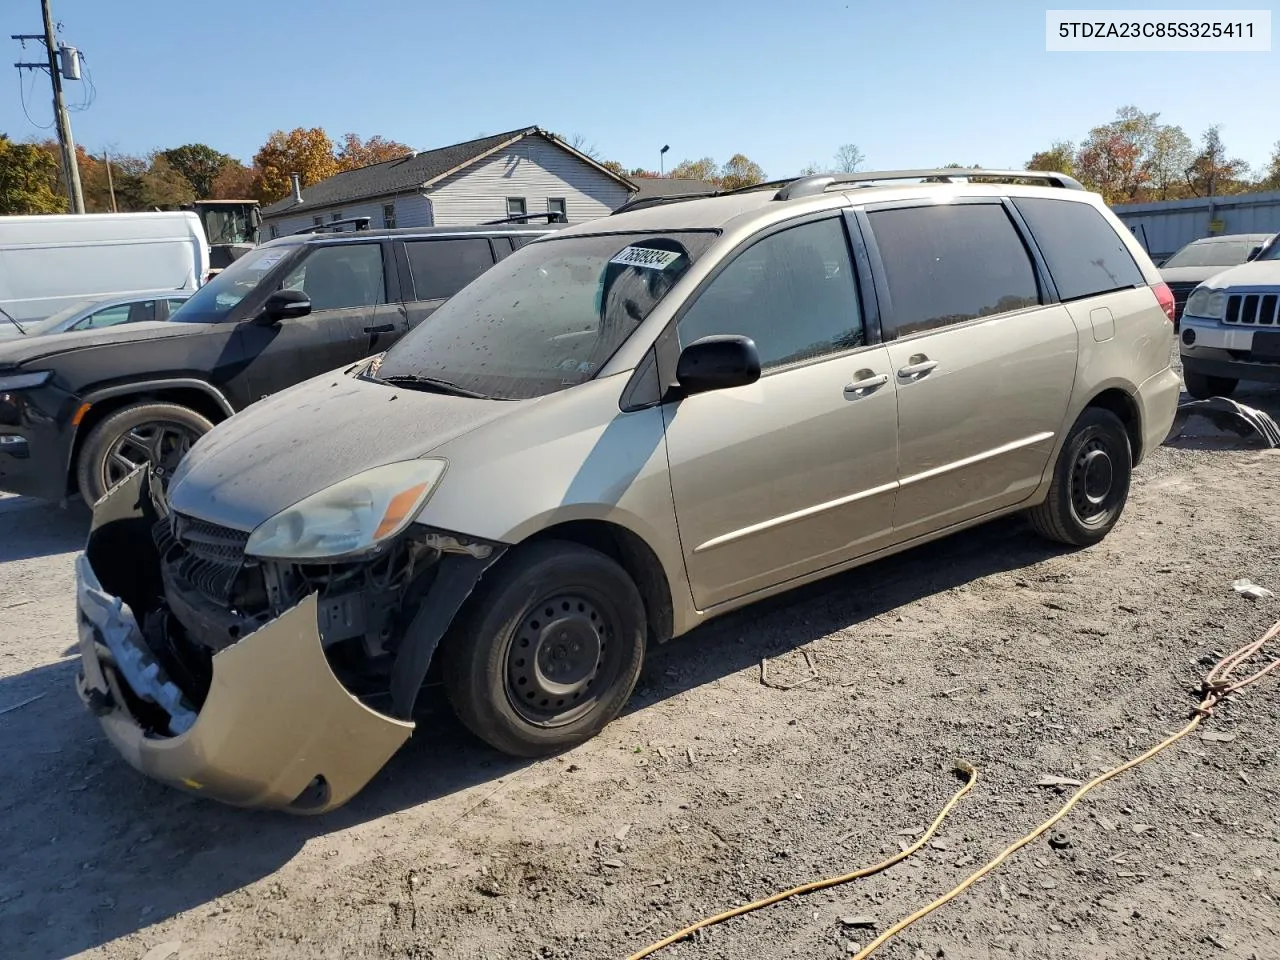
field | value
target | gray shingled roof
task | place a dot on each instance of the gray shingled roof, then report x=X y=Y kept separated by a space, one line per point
x=395 y=176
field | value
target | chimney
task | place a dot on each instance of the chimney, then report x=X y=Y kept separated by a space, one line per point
x=297 y=188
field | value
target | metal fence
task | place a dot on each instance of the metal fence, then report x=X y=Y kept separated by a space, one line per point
x=1165 y=227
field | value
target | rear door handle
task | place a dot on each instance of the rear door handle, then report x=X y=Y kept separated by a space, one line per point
x=381 y=328
x=919 y=366
x=865 y=384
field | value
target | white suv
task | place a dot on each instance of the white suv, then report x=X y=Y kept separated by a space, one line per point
x=1231 y=327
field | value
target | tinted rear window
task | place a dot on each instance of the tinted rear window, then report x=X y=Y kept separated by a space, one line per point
x=1084 y=254
x=948 y=263
x=441 y=268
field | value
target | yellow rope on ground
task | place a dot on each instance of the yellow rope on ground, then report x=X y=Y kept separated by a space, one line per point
x=1215 y=687
x=962 y=767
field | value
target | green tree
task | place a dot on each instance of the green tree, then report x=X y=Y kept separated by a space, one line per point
x=28 y=179
x=199 y=164
x=1212 y=172
x=306 y=152
x=1270 y=179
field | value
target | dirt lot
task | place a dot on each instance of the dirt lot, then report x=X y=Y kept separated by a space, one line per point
x=714 y=789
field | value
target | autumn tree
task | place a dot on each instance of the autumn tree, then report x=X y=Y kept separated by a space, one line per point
x=28 y=179
x=1271 y=175
x=199 y=164
x=705 y=169
x=1116 y=158
x=353 y=152
x=1171 y=153
x=1059 y=158
x=739 y=172
x=1211 y=172
x=308 y=153
x=234 y=182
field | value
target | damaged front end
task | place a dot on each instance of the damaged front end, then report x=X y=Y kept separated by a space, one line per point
x=258 y=682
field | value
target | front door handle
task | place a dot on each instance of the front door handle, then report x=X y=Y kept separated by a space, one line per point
x=917 y=366
x=866 y=382
x=381 y=328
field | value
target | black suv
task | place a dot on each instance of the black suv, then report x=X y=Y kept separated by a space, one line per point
x=82 y=410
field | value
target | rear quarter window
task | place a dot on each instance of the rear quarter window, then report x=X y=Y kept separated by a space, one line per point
x=1084 y=253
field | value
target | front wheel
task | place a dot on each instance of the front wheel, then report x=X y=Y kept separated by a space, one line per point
x=1090 y=481
x=1202 y=387
x=136 y=435
x=548 y=651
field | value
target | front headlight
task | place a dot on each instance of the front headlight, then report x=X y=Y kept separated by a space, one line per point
x=24 y=381
x=1204 y=302
x=351 y=517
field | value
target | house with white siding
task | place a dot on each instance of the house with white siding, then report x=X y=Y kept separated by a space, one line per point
x=524 y=171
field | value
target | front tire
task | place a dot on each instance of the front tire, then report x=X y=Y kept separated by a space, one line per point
x=548 y=651
x=140 y=433
x=1202 y=387
x=1090 y=481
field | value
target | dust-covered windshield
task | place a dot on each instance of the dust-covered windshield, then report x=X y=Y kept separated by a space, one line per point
x=213 y=302
x=1216 y=253
x=547 y=317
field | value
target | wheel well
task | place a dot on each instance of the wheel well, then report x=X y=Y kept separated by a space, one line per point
x=1126 y=409
x=634 y=556
x=190 y=397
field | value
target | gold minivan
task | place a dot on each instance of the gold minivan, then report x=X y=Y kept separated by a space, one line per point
x=618 y=432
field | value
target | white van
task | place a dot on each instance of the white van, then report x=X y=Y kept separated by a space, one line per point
x=50 y=262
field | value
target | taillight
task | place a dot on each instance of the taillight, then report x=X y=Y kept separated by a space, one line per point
x=1165 y=296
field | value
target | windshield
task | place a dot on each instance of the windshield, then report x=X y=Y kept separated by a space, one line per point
x=547 y=317
x=1220 y=253
x=228 y=225
x=217 y=298
x=52 y=322
x=1272 y=250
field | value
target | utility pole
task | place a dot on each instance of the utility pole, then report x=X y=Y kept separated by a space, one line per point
x=70 y=167
x=106 y=159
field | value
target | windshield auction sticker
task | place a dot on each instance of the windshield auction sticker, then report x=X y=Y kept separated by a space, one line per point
x=646 y=258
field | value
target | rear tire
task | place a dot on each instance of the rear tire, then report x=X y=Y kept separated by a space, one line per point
x=139 y=433
x=548 y=651
x=1090 y=481
x=1202 y=387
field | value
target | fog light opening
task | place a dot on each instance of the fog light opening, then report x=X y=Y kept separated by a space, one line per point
x=1188 y=336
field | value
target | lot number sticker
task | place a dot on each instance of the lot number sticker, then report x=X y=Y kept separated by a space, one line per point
x=646 y=258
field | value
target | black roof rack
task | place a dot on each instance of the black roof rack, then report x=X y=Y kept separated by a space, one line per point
x=811 y=186
x=553 y=216
x=360 y=223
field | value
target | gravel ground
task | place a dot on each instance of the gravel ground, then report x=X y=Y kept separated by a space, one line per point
x=714 y=789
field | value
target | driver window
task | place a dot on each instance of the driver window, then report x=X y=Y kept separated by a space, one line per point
x=105 y=318
x=341 y=276
x=793 y=293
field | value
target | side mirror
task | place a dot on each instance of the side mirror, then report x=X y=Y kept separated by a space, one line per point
x=1253 y=254
x=283 y=305
x=717 y=363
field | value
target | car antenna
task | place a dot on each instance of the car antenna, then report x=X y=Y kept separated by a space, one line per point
x=14 y=320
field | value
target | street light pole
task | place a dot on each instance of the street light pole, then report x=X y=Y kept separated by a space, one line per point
x=662 y=157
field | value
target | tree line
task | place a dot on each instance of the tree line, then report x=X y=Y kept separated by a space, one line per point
x=1134 y=158
x=31 y=173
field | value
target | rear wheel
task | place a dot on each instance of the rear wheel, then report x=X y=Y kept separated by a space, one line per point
x=1090 y=481
x=549 y=650
x=139 y=434
x=1202 y=387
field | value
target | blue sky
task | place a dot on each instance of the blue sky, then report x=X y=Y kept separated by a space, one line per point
x=913 y=84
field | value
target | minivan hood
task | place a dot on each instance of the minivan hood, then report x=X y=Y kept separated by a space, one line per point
x=310 y=436
x=20 y=350
x=1256 y=273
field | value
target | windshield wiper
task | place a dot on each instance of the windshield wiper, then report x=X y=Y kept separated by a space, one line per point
x=14 y=320
x=415 y=382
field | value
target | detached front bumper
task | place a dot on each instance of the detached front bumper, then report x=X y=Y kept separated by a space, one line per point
x=277 y=729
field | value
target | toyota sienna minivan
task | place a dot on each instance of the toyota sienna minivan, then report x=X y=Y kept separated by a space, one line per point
x=618 y=432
